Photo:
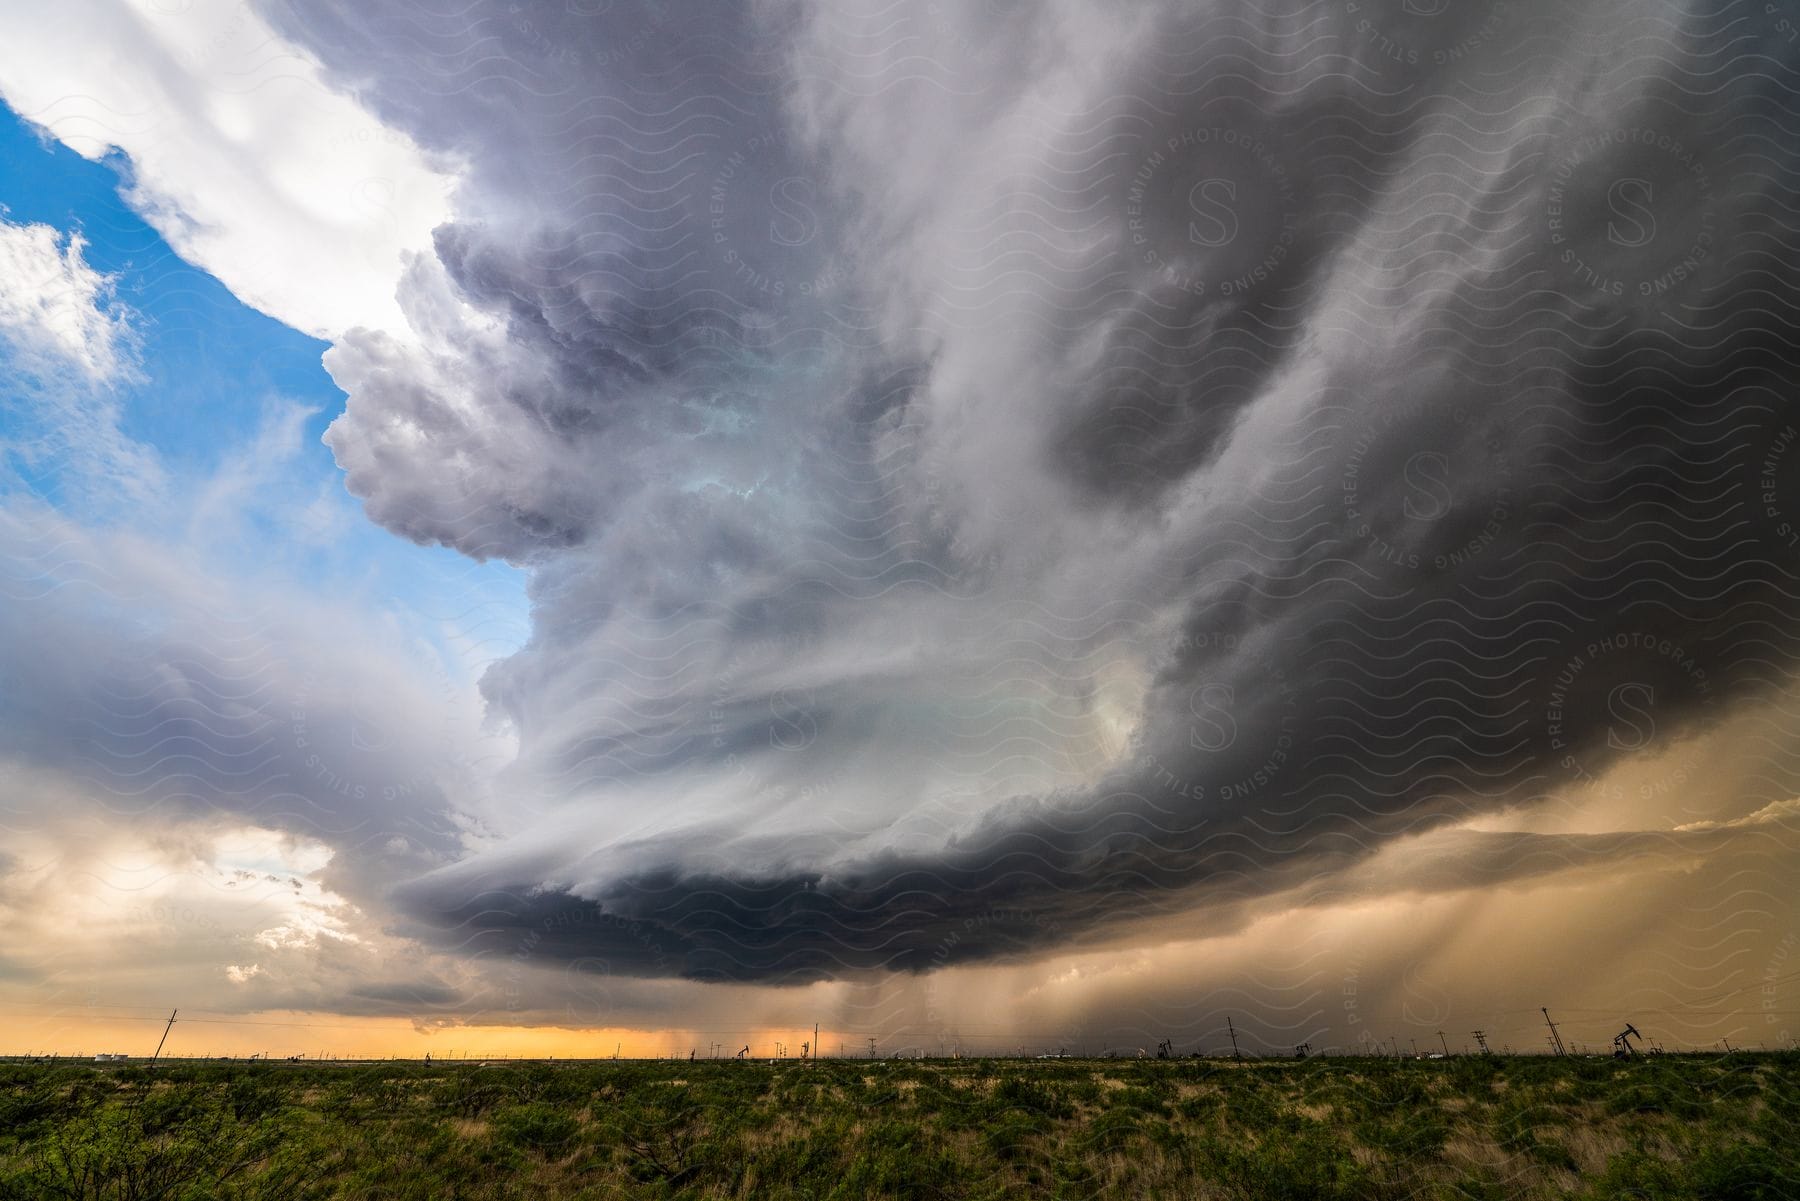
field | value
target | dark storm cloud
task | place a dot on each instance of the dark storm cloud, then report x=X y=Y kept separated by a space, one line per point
x=1013 y=894
x=1026 y=461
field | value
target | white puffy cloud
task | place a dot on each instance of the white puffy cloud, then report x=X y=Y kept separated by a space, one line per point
x=242 y=157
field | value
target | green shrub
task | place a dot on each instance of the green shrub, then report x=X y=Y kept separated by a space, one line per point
x=253 y=1096
x=177 y=1145
x=1310 y=1167
x=664 y=1137
x=536 y=1126
x=898 y=1160
x=1638 y=1176
x=1745 y=1172
x=1019 y=1092
x=1407 y=1136
x=1010 y=1136
x=467 y=1093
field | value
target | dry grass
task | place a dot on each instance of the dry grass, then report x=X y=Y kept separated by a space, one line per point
x=1350 y=1129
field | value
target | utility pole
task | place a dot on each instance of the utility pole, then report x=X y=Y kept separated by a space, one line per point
x=1233 y=1031
x=871 y=1048
x=1446 y=1043
x=815 y=1042
x=164 y=1038
x=1555 y=1038
x=1481 y=1041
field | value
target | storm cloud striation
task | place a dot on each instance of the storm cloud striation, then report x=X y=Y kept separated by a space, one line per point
x=992 y=474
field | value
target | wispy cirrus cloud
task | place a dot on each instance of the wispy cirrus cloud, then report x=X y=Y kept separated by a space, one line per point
x=56 y=310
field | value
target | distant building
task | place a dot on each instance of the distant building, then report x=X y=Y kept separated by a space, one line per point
x=110 y=1057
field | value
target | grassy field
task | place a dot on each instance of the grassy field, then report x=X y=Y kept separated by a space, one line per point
x=1725 y=1127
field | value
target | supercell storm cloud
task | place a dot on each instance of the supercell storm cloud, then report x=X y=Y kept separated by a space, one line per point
x=1076 y=462
x=999 y=479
